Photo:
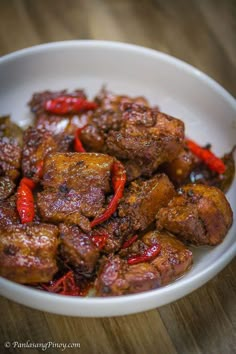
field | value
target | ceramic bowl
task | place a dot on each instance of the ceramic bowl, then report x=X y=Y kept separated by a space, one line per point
x=209 y=113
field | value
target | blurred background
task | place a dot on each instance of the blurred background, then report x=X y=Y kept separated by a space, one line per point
x=200 y=32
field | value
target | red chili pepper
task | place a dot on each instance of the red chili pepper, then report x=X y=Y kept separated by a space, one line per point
x=68 y=104
x=65 y=285
x=129 y=242
x=25 y=200
x=147 y=255
x=118 y=183
x=100 y=240
x=78 y=146
x=212 y=161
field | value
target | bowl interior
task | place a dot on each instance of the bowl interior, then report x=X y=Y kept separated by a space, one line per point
x=208 y=111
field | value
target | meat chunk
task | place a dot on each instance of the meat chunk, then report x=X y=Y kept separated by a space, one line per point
x=148 y=136
x=78 y=250
x=137 y=210
x=82 y=250
x=95 y=132
x=117 y=277
x=180 y=168
x=38 y=143
x=117 y=229
x=105 y=118
x=8 y=212
x=71 y=206
x=75 y=169
x=137 y=134
x=10 y=148
x=10 y=130
x=75 y=185
x=28 y=252
x=108 y=101
x=174 y=258
x=143 y=199
x=10 y=158
x=56 y=124
x=199 y=214
x=7 y=187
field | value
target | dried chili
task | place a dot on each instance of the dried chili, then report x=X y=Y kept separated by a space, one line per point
x=129 y=242
x=25 y=200
x=118 y=183
x=78 y=146
x=65 y=285
x=147 y=255
x=100 y=240
x=68 y=104
x=210 y=159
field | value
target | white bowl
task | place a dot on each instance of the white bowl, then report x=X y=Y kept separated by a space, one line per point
x=179 y=89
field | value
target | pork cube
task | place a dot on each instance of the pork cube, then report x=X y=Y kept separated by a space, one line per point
x=28 y=252
x=143 y=199
x=8 y=212
x=38 y=143
x=146 y=136
x=198 y=214
x=7 y=187
x=75 y=169
x=117 y=277
x=75 y=187
x=10 y=158
x=78 y=250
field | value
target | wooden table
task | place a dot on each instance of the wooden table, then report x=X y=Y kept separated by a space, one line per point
x=201 y=33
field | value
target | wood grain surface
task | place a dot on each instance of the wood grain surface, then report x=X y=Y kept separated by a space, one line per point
x=203 y=33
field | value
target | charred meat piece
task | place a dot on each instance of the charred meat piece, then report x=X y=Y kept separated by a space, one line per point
x=10 y=158
x=56 y=123
x=141 y=137
x=117 y=277
x=147 y=136
x=8 y=212
x=94 y=134
x=136 y=211
x=76 y=170
x=7 y=187
x=10 y=130
x=10 y=148
x=105 y=118
x=174 y=258
x=199 y=214
x=180 y=168
x=38 y=143
x=71 y=206
x=108 y=101
x=143 y=199
x=78 y=250
x=75 y=187
x=28 y=252
x=117 y=229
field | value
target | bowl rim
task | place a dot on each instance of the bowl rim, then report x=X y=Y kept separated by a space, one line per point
x=189 y=284
x=124 y=46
